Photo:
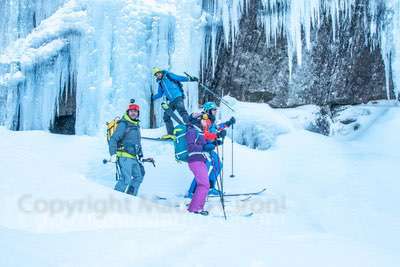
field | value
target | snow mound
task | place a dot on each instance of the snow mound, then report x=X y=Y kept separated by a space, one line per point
x=257 y=125
x=349 y=121
x=303 y=116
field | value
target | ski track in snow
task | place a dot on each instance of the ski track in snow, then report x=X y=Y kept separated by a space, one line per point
x=332 y=203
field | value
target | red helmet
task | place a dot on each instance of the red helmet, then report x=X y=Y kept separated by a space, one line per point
x=134 y=107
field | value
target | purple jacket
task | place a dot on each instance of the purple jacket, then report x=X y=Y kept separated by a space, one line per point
x=195 y=142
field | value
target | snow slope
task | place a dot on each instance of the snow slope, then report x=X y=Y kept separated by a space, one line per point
x=329 y=203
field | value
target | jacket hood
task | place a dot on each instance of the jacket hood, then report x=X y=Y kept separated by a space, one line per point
x=127 y=118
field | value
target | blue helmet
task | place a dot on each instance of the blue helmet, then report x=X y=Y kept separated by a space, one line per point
x=209 y=106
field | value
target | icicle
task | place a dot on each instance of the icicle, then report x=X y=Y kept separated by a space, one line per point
x=42 y=59
x=144 y=34
x=390 y=45
x=19 y=17
x=290 y=17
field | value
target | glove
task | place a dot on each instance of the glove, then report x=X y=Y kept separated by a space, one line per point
x=208 y=147
x=230 y=122
x=152 y=97
x=139 y=151
x=218 y=142
x=194 y=79
x=113 y=158
x=164 y=106
x=221 y=134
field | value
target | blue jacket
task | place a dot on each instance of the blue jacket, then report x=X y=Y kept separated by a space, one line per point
x=169 y=86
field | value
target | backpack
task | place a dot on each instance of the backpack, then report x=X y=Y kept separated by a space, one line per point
x=179 y=84
x=111 y=127
x=180 y=143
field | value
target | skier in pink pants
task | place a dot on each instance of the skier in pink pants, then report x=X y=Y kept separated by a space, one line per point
x=196 y=146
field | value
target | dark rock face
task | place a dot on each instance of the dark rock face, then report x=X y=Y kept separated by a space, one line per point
x=322 y=123
x=64 y=121
x=345 y=70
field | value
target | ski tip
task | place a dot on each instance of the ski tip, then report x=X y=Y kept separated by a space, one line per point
x=246 y=198
x=261 y=191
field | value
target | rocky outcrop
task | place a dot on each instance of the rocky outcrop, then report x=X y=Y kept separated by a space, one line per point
x=346 y=70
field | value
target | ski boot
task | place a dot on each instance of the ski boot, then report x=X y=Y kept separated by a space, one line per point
x=189 y=195
x=168 y=137
x=202 y=212
x=213 y=192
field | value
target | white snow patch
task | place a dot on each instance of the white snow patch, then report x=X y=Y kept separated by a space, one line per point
x=257 y=125
x=328 y=203
x=350 y=121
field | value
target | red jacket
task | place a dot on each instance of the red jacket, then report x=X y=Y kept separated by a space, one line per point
x=207 y=134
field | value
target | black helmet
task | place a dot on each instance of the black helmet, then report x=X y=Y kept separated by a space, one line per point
x=195 y=118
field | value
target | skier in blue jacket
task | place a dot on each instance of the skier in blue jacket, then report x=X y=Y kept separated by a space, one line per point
x=169 y=85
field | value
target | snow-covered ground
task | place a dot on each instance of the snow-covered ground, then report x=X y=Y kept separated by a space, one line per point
x=329 y=202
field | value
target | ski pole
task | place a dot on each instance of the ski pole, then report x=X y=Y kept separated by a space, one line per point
x=223 y=153
x=214 y=94
x=117 y=170
x=232 y=175
x=222 y=171
x=150 y=160
x=217 y=97
x=152 y=111
x=220 y=184
x=220 y=187
x=221 y=197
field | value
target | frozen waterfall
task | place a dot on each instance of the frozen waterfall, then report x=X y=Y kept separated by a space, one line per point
x=102 y=51
x=91 y=56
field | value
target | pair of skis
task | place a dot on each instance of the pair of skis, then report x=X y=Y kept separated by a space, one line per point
x=242 y=194
x=157 y=139
x=248 y=196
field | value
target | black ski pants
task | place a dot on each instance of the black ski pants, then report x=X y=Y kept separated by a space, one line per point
x=176 y=104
